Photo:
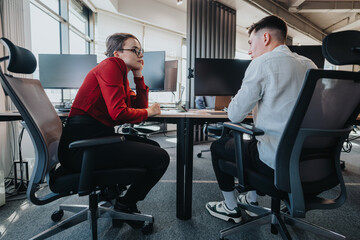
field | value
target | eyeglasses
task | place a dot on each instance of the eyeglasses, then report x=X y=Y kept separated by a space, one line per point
x=138 y=52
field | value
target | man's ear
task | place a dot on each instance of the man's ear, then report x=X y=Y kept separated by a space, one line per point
x=116 y=54
x=267 y=38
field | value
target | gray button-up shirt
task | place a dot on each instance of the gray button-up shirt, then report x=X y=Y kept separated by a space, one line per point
x=270 y=87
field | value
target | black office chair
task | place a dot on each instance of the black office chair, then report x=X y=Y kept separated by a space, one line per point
x=212 y=130
x=45 y=129
x=307 y=159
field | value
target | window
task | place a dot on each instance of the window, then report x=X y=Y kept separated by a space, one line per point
x=45 y=34
x=77 y=44
x=79 y=28
x=52 y=4
x=60 y=32
x=78 y=17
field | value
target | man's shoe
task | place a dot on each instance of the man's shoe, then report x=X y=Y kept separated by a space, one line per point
x=118 y=206
x=242 y=199
x=220 y=210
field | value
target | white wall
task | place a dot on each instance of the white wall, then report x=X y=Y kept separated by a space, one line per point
x=110 y=23
x=242 y=38
x=155 y=13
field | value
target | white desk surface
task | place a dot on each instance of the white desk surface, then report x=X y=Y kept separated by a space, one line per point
x=192 y=113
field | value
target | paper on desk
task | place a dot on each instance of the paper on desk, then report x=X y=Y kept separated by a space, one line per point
x=168 y=112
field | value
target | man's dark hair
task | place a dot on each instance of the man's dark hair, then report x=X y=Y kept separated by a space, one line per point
x=272 y=22
x=116 y=41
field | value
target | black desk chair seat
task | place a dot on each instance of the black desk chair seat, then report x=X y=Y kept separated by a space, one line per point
x=45 y=128
x=307 y=160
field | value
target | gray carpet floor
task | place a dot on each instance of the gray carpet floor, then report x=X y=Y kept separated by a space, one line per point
x=21 y=219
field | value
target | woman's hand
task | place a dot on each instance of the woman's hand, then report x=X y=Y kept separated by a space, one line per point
x=137 y=72
x=153 y=110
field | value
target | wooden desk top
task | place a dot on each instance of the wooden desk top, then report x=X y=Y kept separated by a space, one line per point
x=14 y=115
x=193 y=113
x=10 y=113
x=10 y=116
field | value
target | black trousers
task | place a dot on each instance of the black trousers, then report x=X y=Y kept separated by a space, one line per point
x=224 y=148
x=134 y=152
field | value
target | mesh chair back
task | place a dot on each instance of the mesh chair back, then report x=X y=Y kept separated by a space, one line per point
x=329 y=100
x=332 y=104
x=328 y=104
x=41 y=119
x=42 y=122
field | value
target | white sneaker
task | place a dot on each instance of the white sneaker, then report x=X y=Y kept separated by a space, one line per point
x=220 y=210
x=242 y=199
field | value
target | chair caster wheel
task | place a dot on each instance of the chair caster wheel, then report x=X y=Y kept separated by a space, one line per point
x=117 y=223
x=274 y=229
x=342 y=164
x=199 y=155
x=57 y=215
x=148 y=228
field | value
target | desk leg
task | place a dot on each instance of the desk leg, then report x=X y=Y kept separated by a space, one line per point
x=180 y=164
x=189 y=147
x=184 y=168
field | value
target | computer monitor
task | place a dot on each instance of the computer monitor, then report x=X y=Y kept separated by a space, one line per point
x=171 y=71
x=64 y=71
x=153 y=71
x=312 y=52
x=219 y=77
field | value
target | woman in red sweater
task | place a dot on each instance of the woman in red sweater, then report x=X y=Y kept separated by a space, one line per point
x=105 y=100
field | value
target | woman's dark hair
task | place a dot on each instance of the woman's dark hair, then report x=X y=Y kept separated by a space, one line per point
x=272 y=22
x=116 y=41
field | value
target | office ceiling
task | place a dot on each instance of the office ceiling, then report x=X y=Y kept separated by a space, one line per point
x=174 y=4
x=308 y=20
x=330 y=16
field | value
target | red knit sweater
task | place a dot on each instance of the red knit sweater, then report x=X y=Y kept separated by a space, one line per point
x=106 y=96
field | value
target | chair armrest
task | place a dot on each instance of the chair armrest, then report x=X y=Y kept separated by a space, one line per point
x=96 y=142
x=244 y=128
x=238 y=130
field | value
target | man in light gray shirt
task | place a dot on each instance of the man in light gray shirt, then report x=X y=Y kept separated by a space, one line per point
x=270 y=87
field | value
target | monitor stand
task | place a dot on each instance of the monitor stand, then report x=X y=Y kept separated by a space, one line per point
x=222 y=102
x=63 y=106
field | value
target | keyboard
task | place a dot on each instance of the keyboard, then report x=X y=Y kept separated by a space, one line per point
x=63 y=109
x=167 y=106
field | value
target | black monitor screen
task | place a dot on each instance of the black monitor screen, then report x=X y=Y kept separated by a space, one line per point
x=219 y=77
x=171 y=70
x=312 y=52
x=153 y=71
x=64 y=70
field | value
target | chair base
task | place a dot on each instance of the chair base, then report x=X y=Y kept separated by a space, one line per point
x=278 y=221
x=199 y=155
x=92 y=213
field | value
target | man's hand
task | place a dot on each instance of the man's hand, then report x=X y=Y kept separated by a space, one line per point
x=153 y=110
